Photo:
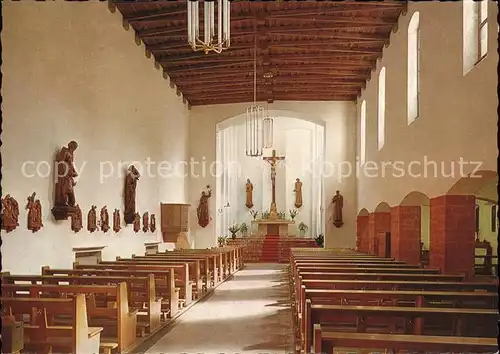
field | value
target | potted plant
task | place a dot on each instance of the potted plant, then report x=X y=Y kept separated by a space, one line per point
x=244 y=229
x=293 y=213
x=254 y=213
x=303 y=228
x=233 y=230
x=320 y=240
x=221 y=240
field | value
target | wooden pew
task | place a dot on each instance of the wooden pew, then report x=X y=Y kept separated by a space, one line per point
x=163 y=282
x=327 y=341
x=194 y=269
x=181 y=273
x=382 y=276
x=213 y=261
x=397 y=285
x=75 y=337
x=329 y=314
x=461 y=299
x=118 y=321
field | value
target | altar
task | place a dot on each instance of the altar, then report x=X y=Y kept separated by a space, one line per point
x=273 y=226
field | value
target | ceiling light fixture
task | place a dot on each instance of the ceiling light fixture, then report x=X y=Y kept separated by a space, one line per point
x=210 y=42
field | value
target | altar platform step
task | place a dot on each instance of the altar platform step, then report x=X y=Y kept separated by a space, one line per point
x=270 y=248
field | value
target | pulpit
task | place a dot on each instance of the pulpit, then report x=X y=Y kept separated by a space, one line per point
x=273 y=226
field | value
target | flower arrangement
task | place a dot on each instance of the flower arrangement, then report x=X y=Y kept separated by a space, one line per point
x=233 y=229
x=254 y=213
x=320 y=240
x=281 y=216
x=265 y=215
x=293 y=213
x=221 y=240
x=244 y=229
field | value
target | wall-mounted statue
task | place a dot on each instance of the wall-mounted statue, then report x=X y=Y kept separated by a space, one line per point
x=249 y=193
x=202 y=211
x=338 y=204
x=64 y=205
x=76 y=220
x=116 y=220
x=152 y=223
x=104 y=219
x=130 y=188
x=10 y=213
x=92 y=219
x=137 y=222
x=145 y=222
x=298 y=193
x=34 y=208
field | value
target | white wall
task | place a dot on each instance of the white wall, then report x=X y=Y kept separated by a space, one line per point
x=71 y=72
x=458 y=114
x=340 y=132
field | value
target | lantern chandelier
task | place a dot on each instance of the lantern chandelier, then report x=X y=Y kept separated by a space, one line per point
x=259 y=130
x=211 y=41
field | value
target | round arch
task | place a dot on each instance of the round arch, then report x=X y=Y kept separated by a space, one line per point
x=383 y=207
x=228 y=121
x=415 y=198
x=472 y=184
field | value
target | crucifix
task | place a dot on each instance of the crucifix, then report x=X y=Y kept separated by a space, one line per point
x=273 y=212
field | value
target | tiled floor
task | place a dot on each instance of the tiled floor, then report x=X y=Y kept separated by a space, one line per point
x=247 y=314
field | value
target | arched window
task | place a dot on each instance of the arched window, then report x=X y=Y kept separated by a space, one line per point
x=362 y=132
x=381 y=108
x=413 y=67
x=475 y=32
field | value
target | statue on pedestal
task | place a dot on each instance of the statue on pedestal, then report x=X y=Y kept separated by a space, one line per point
x=64 y=205
x=202 y=210
x=130 y=188
x=338 y=204
x=249 y=191
x=298 y=193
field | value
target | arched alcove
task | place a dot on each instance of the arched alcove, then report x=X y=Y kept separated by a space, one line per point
x=301 y=140
x=421 y=200
x=383 y=207
x=363 y=212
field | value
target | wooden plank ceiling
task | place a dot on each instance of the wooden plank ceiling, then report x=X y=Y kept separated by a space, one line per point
x=306 y=50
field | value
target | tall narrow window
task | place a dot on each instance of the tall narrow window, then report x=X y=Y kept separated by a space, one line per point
x=413 y=67
x=362 y=132
x=381 y=108
x=475 y=32
x=482 y=17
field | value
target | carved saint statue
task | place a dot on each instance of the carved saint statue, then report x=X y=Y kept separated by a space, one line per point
x=338 y=204
x=64 y=191
x=34 y=213
x=298 y=193
x=137 y=222
x=116 y=220
x=202 y=210
x=152 y=223
x=130 y=187
x=92 y=219
x=104 y=219
x=249 y=192
x=76 y=220
x=10 y=213
x=145 y=222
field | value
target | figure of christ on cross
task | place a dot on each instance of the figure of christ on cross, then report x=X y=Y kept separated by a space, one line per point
x=273 y=212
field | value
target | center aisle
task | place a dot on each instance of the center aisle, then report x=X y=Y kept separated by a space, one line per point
x=247 y=314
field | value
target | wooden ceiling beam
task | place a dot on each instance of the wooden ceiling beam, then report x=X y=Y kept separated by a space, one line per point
x=325 y=27
x=342 y=8
x=228 y=86
x=240 y=66
x=371 y=21
x=334 y=35
x=165 y=32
